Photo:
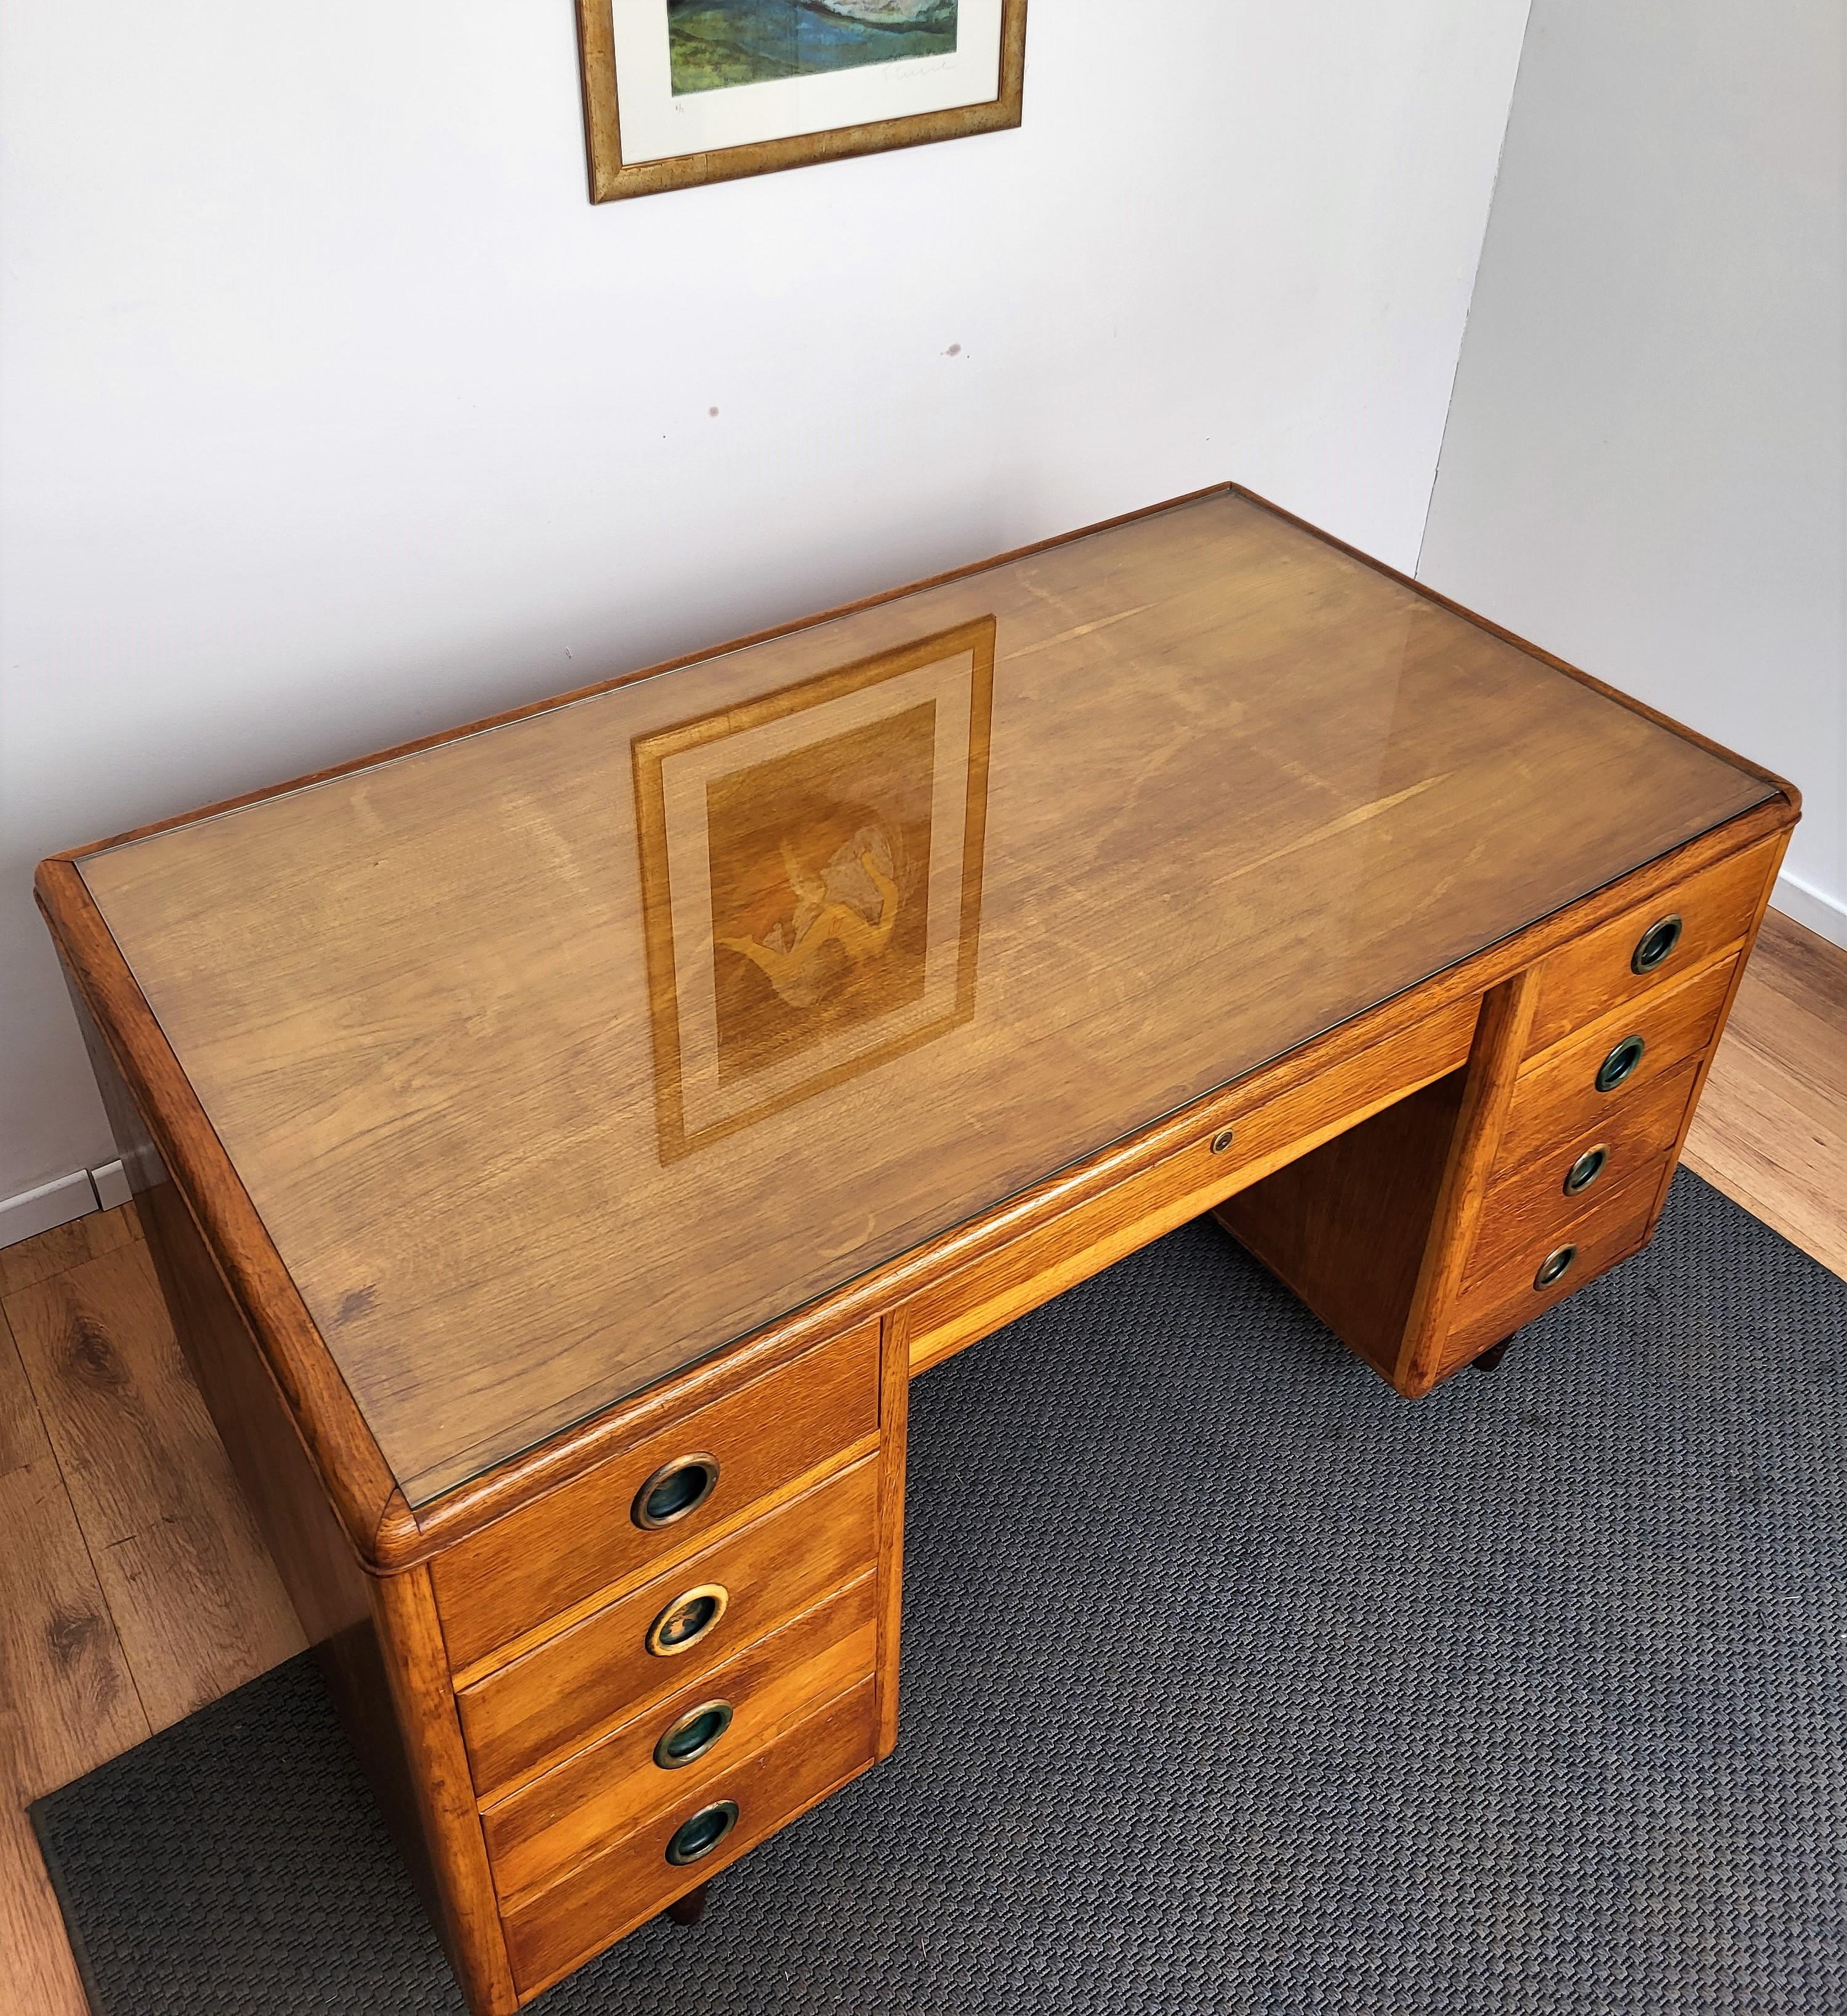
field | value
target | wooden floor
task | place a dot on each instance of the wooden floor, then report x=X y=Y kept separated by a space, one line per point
x=133 y=1587
x=1771 y=1130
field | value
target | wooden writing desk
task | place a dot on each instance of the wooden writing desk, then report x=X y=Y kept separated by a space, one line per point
x=560 y=1141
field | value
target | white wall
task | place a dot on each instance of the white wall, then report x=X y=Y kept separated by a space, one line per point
x=1645 y=464
x=334 y=413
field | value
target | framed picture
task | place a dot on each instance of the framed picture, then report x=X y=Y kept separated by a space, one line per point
x=811 y=878
x=679 y=92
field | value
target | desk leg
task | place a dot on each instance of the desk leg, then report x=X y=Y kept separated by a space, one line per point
x=689 y=1910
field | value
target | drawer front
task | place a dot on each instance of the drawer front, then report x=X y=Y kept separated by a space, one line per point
x=1556 y=1098
x=1598 y=973
x=586 y=1536
x=1532 y=1205
x=608 y=1790
x=626 y=1883
x=1505 y=1295
x=602 y=1672
x=1034 y=1269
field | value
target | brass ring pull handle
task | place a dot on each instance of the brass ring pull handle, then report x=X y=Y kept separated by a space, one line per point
x=1620 y=1063
x=1655 y=946
x=1555 y=1266
x=687 y=1619
x=1223 y=1140
x=699 y=1835
x=690 y=1736
x=676 y=1489
x=1585 y=1170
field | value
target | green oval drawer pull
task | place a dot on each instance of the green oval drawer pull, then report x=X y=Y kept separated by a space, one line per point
x=689 y=1737
x=701 y=1835
x=1620 y=1063
x=1585 y=1170
x=1555 y=1266
x=687 y=1619
x=1655 y=946
x=676 y=1489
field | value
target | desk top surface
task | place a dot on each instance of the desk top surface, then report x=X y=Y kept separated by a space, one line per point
x=557 y=1056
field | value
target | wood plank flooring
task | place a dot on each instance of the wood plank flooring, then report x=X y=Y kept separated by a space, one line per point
x=132 y=1584
x=133 y=1587
x=1771 y=1130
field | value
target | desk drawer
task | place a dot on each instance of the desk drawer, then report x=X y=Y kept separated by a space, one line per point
x=585 y=1536
x=1532 y=1205
x=1594 y=974
x=608 y=1789
x=1506 y=1291
x=602 y=1672
x=626 y=1883
x=1255 y=1142
x=1556 y=1098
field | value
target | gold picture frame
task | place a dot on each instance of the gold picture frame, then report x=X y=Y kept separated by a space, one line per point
x=613 y=177
x=811 y=880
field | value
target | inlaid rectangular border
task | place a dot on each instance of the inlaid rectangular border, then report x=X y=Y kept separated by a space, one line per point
x=974 y=640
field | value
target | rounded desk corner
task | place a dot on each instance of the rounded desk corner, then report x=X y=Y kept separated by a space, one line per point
x=56 y=887
x=392 y=1542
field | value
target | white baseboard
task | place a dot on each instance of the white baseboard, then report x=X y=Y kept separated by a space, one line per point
x=53 y=1204
x=1825 y=916
x=58 y=1202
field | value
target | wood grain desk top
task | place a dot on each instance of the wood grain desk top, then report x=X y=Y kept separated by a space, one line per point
x=557 y=1055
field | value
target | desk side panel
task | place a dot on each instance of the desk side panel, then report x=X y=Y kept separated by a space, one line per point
x=339 y=1604
x=149 y=1098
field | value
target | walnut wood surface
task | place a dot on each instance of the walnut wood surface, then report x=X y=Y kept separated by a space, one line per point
x=582 y=1539
x=551 y=1701
x=611 y=1787
x=630 y=1881
x=162 y=1130
x=1044 y=1203
x=438 y=1018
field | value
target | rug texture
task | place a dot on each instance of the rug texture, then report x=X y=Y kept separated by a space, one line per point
x=1232 y=1682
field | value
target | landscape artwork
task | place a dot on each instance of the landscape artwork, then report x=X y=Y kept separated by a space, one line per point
x=678 y=93
x=811 y=875
x=719 y=45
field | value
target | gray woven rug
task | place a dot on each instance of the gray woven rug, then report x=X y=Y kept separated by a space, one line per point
x=1233 y=1684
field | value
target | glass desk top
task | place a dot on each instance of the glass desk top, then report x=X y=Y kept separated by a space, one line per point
x=557 y=1056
